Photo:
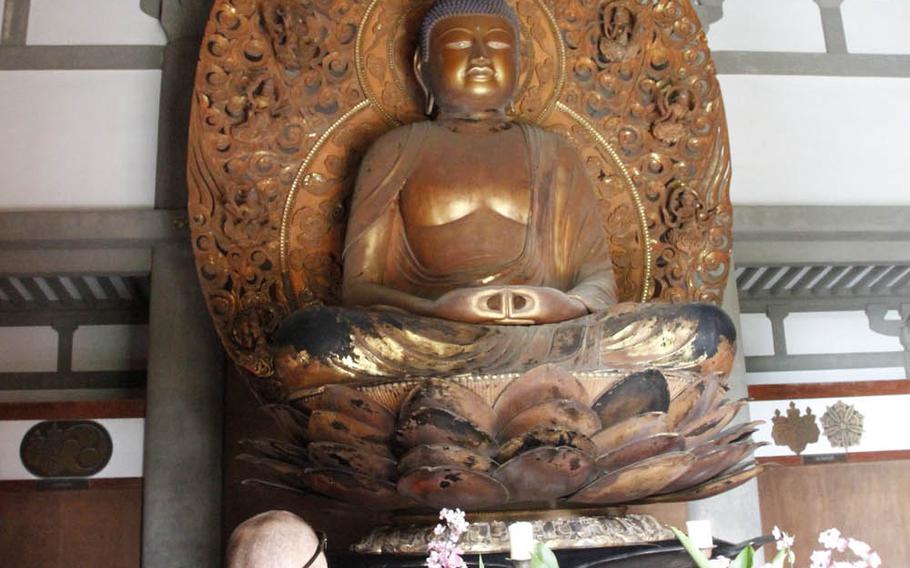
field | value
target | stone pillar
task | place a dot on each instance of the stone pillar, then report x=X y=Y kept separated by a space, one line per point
x=734 y=515
x=181 y=510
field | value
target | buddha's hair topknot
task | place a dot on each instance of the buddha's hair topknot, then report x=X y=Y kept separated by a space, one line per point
x=447 y=8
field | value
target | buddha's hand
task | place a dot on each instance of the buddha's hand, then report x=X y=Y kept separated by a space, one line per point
x=515 y=305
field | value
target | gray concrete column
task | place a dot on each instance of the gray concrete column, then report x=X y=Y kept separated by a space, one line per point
x=181 y=510
x=734 y=515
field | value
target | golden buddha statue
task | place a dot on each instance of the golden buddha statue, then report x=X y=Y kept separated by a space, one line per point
x=446 y=320
x=474 y=242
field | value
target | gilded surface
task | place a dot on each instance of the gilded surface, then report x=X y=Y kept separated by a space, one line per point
x=290 y=94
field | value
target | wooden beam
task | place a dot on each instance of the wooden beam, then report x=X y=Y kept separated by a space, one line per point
x=829 y=390
x=73 y=410
x=115 y=228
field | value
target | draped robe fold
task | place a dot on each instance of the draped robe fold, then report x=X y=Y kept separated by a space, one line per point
x=565 y=247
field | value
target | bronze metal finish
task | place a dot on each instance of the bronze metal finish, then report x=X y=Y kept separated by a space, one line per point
x=446 y=312
x=289 y=95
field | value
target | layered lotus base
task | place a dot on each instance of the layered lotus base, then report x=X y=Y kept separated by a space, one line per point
x=544 y=439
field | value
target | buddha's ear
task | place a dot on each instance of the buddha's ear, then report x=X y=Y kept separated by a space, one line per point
x=418 y=72
x=417 y=63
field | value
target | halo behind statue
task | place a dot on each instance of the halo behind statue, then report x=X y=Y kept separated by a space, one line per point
x=290 y=94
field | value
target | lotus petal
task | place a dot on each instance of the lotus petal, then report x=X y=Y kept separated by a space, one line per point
x=541 y=384
x=445 y=486
x=544 y=437
x=682 y=406
x=728 y=480
x=431 y=455
x=357 y=405
x=641 y=449
x=714 y=421
x=710 y=391
x=563 y=414
x=297 y=490
x=732 y=435
x=708 y=463
x=286 y=472
x=545 y=474
x=439 y=426
x=635 y=481
x=351 y=487
x=357 y=459
x=331 y=426
x=629 y=430
x=291 y=421
x=640 y=392
x=278 y=450
x=447 y=395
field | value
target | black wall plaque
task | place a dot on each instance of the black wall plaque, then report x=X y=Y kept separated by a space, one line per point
x=66 y=448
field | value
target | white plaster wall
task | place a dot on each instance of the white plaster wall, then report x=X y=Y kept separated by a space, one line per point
x=877 y=26
x=28 y=349
x=885 y=421
x=92 y=22
x=110 y=348
x=756 y=338
x=818 y=140
x=78 y=139
x=768 y=25
x=835 y=332
x=126 y=459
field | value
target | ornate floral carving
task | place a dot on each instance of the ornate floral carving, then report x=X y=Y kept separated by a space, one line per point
x=289 y=94
x=843 y=425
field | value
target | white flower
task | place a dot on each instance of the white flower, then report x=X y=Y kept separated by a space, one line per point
x=820 y=559
x=874 y=560
x=783 y=539
x=859 y=547
x=829 y=538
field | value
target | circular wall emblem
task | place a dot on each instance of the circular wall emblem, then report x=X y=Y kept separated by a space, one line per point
x=66 y=448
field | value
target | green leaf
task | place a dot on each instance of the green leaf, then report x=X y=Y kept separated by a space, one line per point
x=543 y=557
x=744 y=559
x=697 y=555
x=480 y=561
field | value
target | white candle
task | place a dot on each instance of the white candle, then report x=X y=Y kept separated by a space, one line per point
x=521 y=540
x=700 y=534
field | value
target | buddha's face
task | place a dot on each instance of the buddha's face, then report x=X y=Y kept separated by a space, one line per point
x=472 y=64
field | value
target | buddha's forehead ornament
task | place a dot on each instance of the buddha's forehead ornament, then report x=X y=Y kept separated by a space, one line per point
x=448 y=8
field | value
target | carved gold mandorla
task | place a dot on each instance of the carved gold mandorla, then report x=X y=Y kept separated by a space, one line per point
x=289 y=94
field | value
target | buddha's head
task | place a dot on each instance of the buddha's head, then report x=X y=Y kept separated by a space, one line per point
x=468 y=55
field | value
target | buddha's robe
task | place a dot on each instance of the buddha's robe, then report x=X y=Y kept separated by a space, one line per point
x=565 y=247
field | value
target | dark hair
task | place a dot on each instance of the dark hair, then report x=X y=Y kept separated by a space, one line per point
x=447 y=8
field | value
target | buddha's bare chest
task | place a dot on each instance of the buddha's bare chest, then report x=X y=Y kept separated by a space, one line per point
x=452 y=185
x=468 y=207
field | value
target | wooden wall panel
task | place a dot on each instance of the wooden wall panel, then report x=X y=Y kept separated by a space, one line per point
x=71 y=528
x=869 y=501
